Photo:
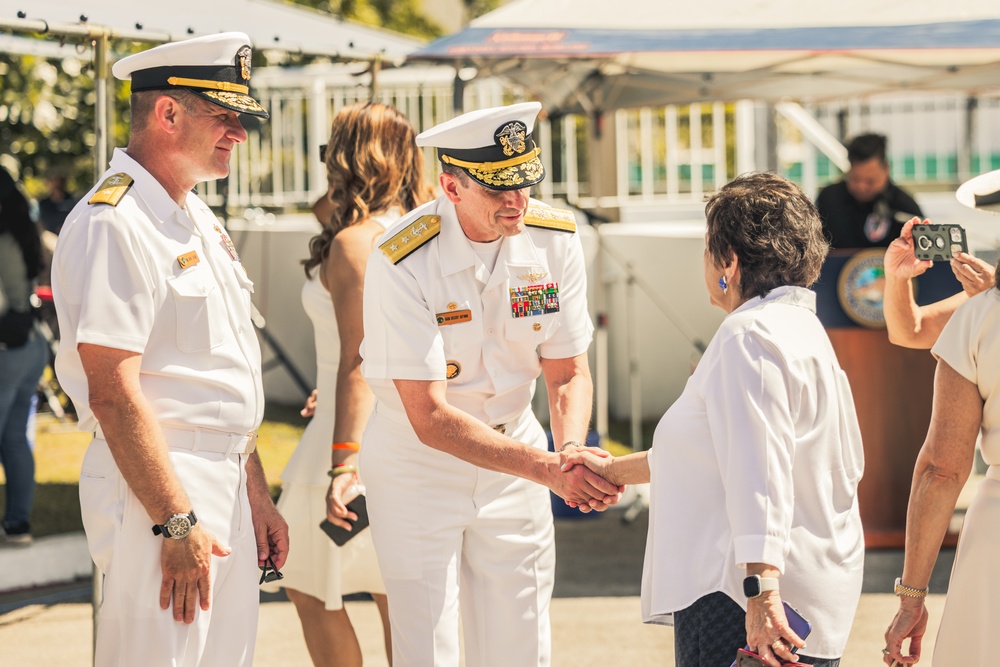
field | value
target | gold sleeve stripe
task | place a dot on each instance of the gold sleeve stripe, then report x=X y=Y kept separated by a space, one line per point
x=550 y=218
x=112 y=190
x=411 y=237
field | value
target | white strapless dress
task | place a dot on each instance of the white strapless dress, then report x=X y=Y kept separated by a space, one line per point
x=315 y=565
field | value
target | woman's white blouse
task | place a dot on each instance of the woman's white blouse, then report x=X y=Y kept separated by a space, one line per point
x=759 y=461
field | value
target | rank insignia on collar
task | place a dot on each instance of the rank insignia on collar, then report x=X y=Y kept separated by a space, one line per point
x=533 y=276
x=188 y=259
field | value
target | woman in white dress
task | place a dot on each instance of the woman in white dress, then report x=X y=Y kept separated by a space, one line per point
x=966 y=402
x=375 y=172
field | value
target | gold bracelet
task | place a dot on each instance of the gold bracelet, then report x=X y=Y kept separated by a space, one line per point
x=909 y=591
x=571 y=443
x=341 y=469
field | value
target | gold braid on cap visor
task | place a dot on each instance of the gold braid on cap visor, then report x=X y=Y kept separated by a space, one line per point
x=492 y=166
x=208 y=84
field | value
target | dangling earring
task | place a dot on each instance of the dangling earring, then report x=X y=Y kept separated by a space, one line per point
x=724 y=284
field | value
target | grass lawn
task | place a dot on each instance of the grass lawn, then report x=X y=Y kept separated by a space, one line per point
x=59 y=451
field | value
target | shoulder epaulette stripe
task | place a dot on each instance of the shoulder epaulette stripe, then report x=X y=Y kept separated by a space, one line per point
x=550 y=218
x=112 y=190
x=414 y=235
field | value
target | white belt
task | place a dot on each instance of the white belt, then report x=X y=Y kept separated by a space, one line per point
x=204 y=440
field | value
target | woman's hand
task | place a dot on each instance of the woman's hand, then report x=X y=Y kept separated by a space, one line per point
x=975 y=275
x=768 y=633
x=342 y=490
x=910 y=622
x=900 y=260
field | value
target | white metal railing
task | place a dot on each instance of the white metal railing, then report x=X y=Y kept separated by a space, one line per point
x=664 y=155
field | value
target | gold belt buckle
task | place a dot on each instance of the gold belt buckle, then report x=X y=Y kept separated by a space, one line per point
x=500 y=428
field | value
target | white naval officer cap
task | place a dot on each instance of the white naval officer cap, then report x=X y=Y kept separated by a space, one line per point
x=493 y=146
x=981 y=192
x=214 y=67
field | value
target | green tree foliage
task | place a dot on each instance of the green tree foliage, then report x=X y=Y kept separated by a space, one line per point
x=404 y=16
x=47 y=119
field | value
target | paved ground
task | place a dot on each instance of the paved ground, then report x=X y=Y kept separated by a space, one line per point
x=595 y=614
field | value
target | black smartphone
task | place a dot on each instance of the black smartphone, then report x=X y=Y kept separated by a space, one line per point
x=339 y=535
x=938 y=243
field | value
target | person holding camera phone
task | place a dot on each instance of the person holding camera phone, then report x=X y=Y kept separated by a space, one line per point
x=375 y=172
x=966 y=404
x=908 y=324
x=754 y=470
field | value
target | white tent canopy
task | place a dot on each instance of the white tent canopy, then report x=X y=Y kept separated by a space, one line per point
x=586 y=55
x=270 y=25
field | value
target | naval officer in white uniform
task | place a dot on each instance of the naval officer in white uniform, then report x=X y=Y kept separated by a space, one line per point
x=466 y=300
x=160 y=357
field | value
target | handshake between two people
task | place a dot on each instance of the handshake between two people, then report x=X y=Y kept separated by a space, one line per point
x=586 y=481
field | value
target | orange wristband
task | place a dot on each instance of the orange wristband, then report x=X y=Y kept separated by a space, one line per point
x=352 y=446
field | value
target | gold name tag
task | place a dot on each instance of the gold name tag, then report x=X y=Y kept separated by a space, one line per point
x=188 y=259
x=454 y=317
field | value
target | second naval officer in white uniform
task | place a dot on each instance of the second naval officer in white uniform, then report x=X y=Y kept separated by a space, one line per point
x=162 y=362
x=467 y=299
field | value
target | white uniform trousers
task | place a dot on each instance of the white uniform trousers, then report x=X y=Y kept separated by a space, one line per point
x=448 y=534
x=132 y=629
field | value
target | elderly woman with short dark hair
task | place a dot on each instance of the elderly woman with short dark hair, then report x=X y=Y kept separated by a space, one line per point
x=754 y=469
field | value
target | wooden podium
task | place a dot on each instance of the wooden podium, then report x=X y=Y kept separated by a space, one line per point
x=892 y=386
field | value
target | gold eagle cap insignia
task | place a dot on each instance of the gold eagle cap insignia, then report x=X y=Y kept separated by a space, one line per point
x=410 y=237
x=545 y=217
x=112 y=189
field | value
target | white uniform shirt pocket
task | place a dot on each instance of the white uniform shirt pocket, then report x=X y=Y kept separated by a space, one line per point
x=199 y=310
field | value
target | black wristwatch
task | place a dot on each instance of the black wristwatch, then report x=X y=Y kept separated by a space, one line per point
x=177 y=527
x=755 y=585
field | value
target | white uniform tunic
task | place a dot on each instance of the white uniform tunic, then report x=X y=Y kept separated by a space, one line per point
x=118 y=281
x=438 y=521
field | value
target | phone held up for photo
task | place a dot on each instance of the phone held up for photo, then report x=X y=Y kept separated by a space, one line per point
x=938 y=243
x=339 y=535
x=745 y=657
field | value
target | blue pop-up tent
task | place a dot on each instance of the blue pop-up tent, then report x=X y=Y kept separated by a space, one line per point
x=585 y=55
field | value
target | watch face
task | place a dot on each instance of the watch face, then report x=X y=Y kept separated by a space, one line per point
x=751 y=587
x=178 y=525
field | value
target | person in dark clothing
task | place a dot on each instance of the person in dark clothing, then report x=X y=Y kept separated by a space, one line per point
x=53 y=209
x=866 y=209
x=23 y=353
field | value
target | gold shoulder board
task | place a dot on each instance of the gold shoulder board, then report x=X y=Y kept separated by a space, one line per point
x=411 y=237
x=112 y=190
x=550 y=218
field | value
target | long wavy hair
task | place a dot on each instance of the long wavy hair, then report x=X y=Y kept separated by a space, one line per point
x=372 y=165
